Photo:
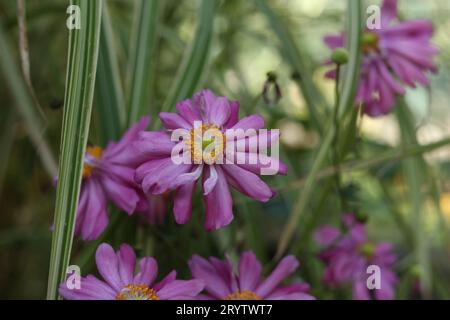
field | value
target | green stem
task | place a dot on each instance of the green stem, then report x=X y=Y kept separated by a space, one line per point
x=345 y=103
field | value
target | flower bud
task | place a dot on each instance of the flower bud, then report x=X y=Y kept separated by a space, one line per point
x=339 y=56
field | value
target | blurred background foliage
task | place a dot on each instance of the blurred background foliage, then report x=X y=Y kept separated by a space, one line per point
x=243 y=49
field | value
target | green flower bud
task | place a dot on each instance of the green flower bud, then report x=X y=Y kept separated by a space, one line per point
x=339 y=56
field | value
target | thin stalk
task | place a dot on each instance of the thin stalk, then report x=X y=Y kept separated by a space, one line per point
x=397 y=154
x=414 y=169
x=25 y=105
x=80 y=84
x=25 y=55
x=347 y=94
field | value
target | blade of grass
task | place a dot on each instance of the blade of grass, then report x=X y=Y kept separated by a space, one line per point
x=414 y=169
x=142 y=48
x=194 y=60
x=80 y=83
x=109 y=93
x=24 y=104
x=315 y=101
x=347 y=93
x=24 y=54
x=396 y=154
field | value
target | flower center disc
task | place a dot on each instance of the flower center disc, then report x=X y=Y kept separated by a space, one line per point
x=243 y=295
x=206 y=143
x=92 y=154
x=370 y=42
x=137 y=292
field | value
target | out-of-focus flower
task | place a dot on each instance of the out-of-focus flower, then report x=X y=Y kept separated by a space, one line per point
x=216 y=115
x=396 y=55
x=108 y=175
x=348 y=255
x=121 y=283
x=246 y=284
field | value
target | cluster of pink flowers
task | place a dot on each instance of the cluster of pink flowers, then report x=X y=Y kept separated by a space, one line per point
x=347 y=256
x=137 y=171
x=396 y=55
x=138 y=174
x=214 y=277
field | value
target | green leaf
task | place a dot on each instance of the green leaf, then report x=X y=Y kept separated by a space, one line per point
x=80 y=83
x=24 y=104
x=347 y=94
x=142 y=48
x=414 y=170
x=194 y=60
x=109 y=93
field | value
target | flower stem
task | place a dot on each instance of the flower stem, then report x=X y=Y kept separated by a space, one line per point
x=345 y=103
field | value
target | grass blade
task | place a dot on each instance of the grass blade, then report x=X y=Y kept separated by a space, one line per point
x=80 y=83
x=24 y=104
x=347 y=94
x=414 y=170
x=195 y=59
x=109 y=93
x=141 y=52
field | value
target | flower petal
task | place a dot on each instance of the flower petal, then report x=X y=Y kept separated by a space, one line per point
x=108 y=266
x=148 y=271
x=220 y=112
x=249 y=269
x=172 y=121
x=178 y=289
x=286 y=266
x=218 y=203
x=247 y=183
x=214 y=283
x=90 y=289
x=126 y=263
x=182 y=207
x=96 y=215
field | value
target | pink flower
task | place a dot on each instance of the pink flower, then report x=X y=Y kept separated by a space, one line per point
x=348 y=255
x=121 y=283
x=396 y=55
x=108 y=175
x=160 y=173
x=246 y=284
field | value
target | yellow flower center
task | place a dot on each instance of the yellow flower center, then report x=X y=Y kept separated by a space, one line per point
x=137 y=292
x=242 y=295
x=370 y=42
x=92 y=153
x=206 y=143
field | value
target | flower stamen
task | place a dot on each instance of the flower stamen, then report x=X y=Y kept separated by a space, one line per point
x=370 y=42
x=206 y=143
x=242 y=295
x=92 y=155
x=137 y=292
